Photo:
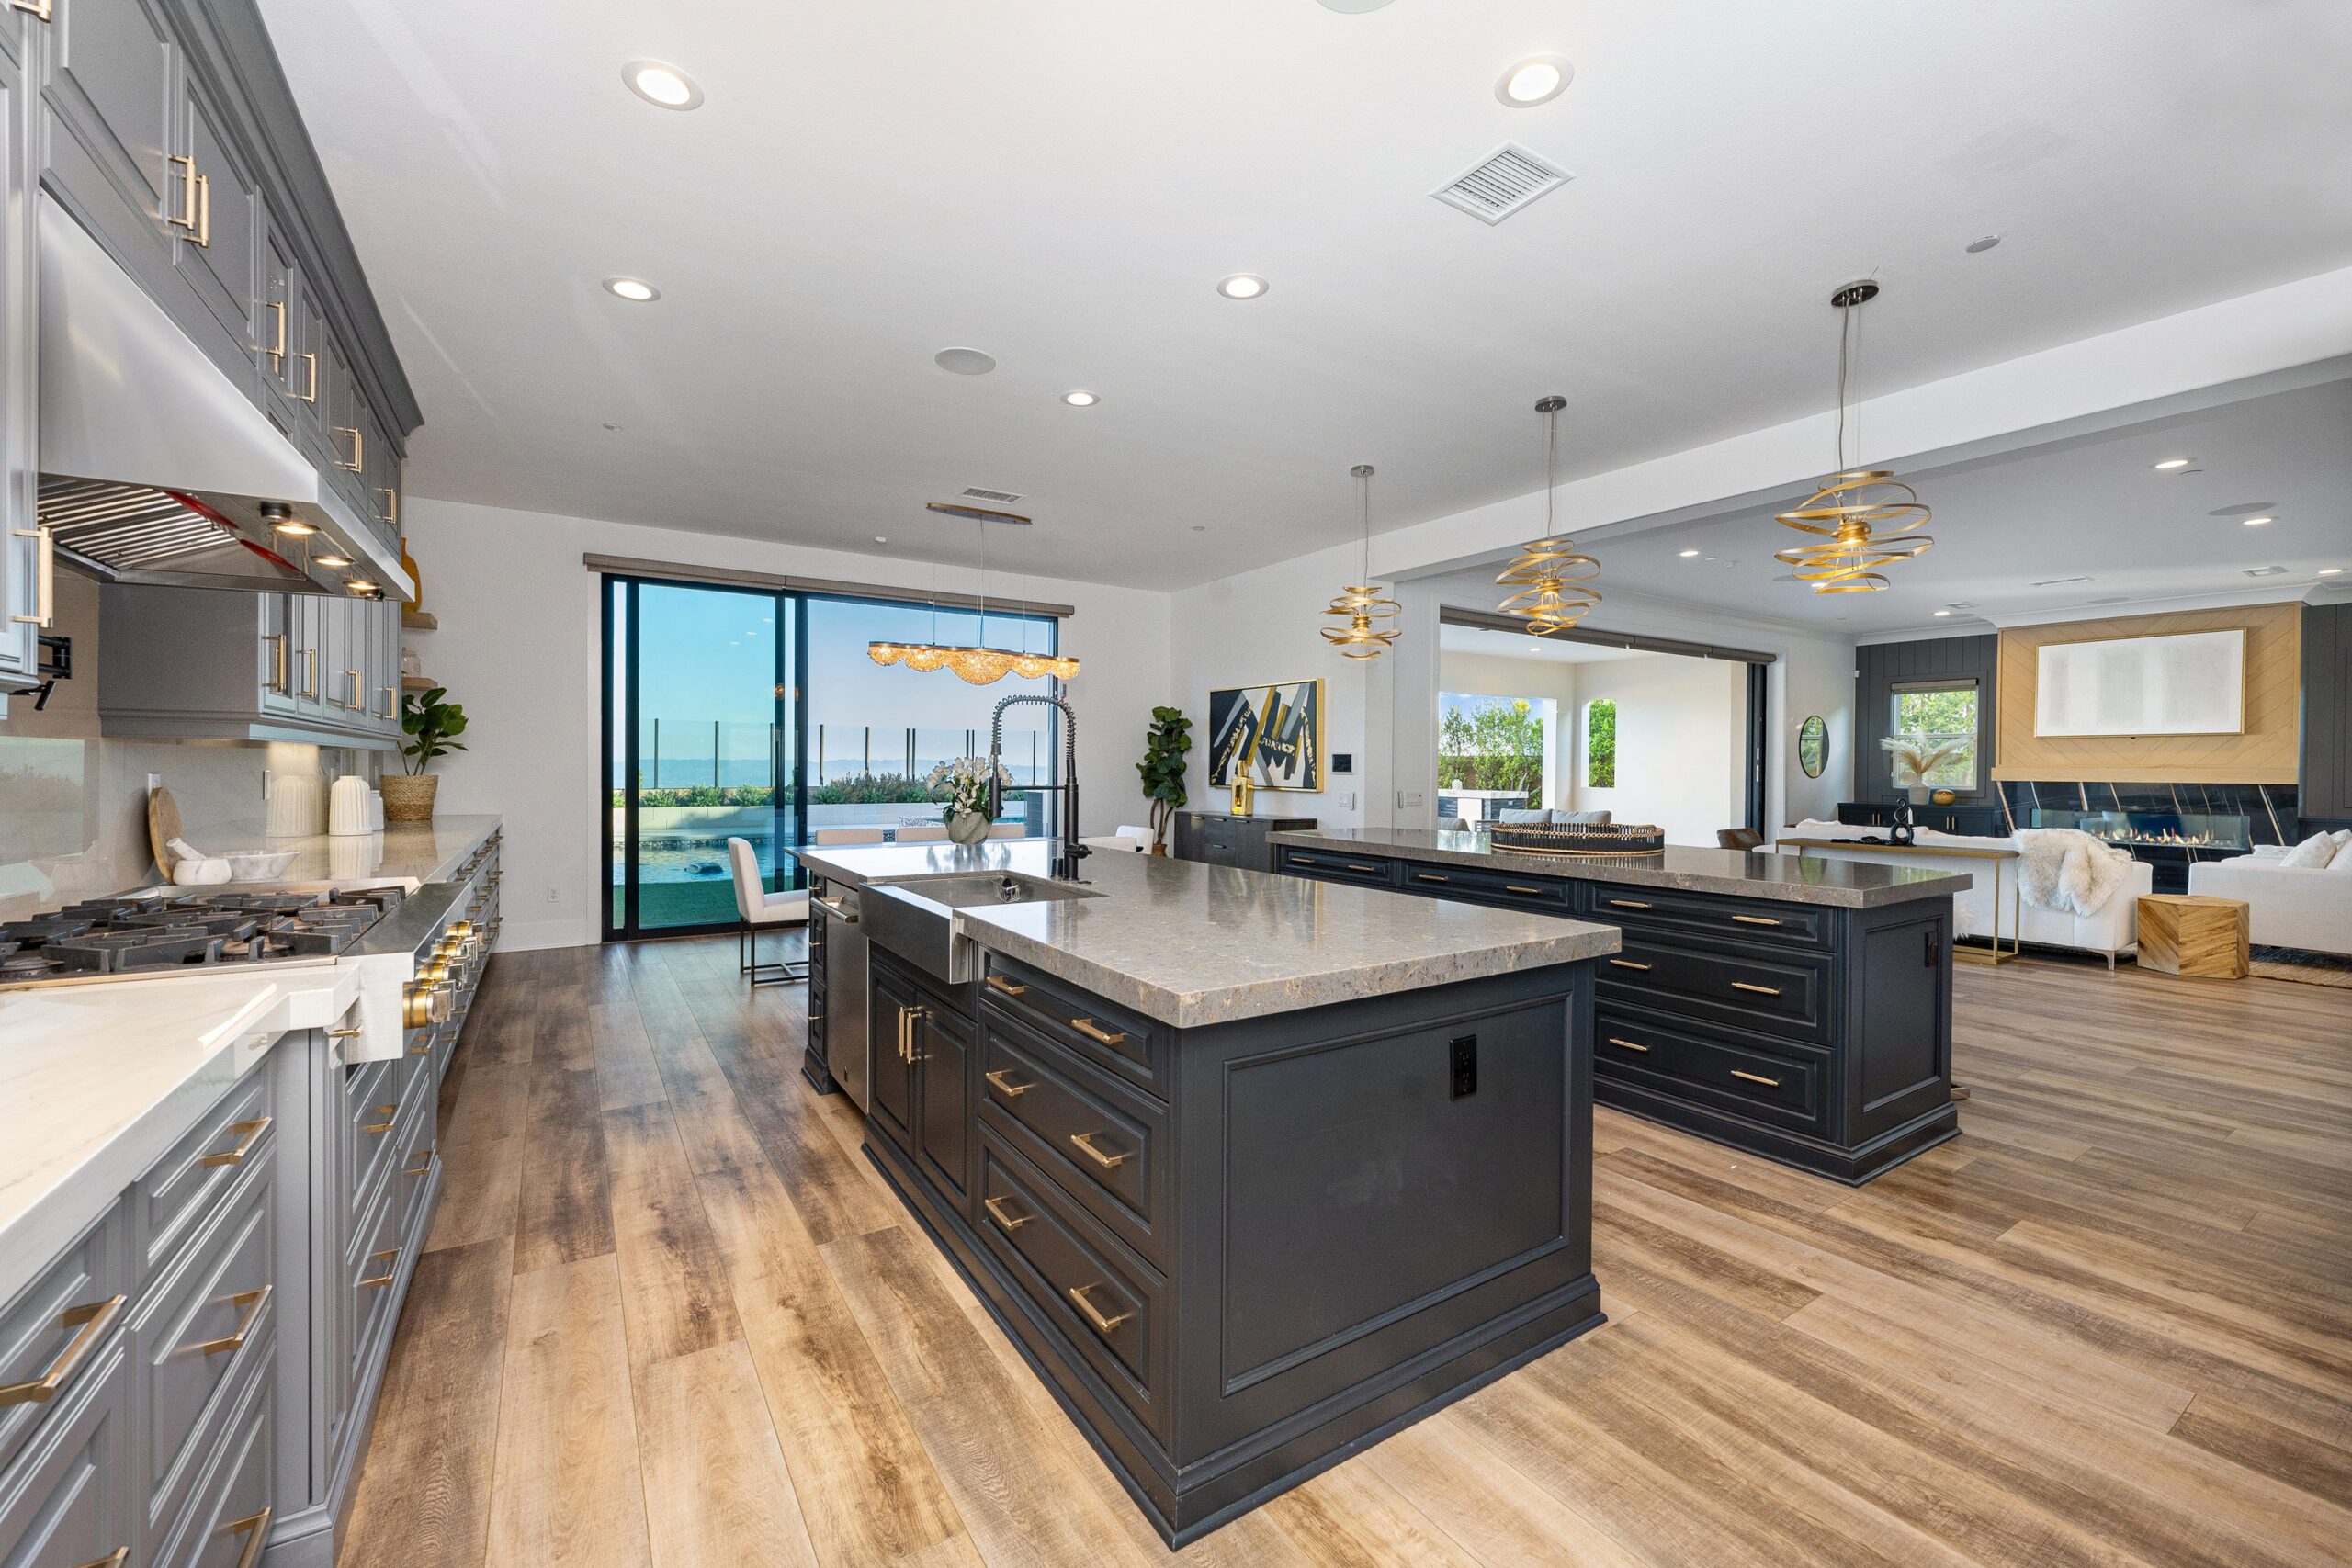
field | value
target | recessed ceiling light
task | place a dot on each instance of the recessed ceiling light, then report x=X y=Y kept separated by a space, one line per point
x=1200 y=528
x=964 y=361
x=2169 y=464
x=1941 y=614
x=1536 y=80
x=881 y=539
x=1080 y=400
x=635 y=289
x=1353 y=7
x=1242 y=286
x=2330 y=570
x=1978 y=247
x=664 y=86
x=2257 y=522
x=1686 y=555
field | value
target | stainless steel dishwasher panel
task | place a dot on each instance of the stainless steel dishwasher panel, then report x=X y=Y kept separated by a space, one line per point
x=848 y=1052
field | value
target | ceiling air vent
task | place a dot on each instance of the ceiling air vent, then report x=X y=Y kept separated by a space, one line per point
x=2265 y=571
x=1001 y=497
x=1502 y=185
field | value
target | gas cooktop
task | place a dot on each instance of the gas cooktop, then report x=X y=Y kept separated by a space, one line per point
x=176 y=932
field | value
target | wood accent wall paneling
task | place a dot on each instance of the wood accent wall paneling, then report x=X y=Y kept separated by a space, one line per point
x=2266 y=753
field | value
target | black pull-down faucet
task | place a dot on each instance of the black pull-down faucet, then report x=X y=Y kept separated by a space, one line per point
x=1071 y=851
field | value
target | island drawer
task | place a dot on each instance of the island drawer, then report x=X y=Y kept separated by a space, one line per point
x=1742 y=919
x=1078 y=1021
x=67 y=1498
x=1487 y=886
x=1784 y=1085
x=53 y=1335
x=1107 y=1307
x=1332 y=866
x=187 y=1187
x=1098 y=1140
x=371 y=1109
x=1782 y=993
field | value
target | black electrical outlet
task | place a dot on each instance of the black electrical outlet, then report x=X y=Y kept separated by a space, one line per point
x=1466 y=1065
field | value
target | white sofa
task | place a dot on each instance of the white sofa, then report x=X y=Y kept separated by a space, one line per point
x=2114 y=929
x=2304 y=906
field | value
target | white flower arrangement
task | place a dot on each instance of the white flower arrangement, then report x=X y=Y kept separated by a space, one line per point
x=963 y=784
x=1917 y=758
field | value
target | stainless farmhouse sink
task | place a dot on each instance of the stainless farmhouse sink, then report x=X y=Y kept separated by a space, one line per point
x=915 y=918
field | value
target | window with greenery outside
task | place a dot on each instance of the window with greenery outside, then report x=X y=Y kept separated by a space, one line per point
x=1940 y=719
x=1600 y=744
x=1490 y=743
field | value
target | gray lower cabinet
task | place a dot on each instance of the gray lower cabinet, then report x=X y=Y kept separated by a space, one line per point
x=249 y=666
x=1220 y=838
x=67 y=1501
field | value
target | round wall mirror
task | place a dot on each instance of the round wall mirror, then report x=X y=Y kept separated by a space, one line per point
x=1813 y=745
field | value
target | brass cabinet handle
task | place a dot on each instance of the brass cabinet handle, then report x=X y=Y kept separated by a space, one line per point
x=1093 y=1314
x=255 y=1528
x=1629 y=1044
x=1005 y=988
x=44 y=576
x=424 y=1050
x=1515 y=887
x=310 y=672
x=1627 y=904
x=1085 y=1142
x=39 y=11
x=1756 y=1078
x=254 y=1302
x=1357 y=865
x=120 y=1555
x=249 y=1134
x=309 y=394
x=1429 y=877
x=277 y=351
x=354 y=463
x=1097 y=1034
x=386 y=1124
x=1627 y=963
x=94 y=1320
x=391 y=504
x=422 y=1167
x=352 y=676
x=1760 y=990
x=997 y=1211
x=203 y=235
x=1000 y=1081
x=188 y=192
x=1755 y=920
x=373 y=1281
x=391 y=703
x=280 y=678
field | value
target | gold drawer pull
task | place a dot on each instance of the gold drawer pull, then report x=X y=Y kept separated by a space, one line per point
x=1755 y=920
x=1359 y=865
x=120 y=1555
x=424 y=1166
x=1085 y=1142
x=390 y=1269
x=1760 y=990
x=186 y=166
x=1627 y=904
x=1000 y=1081
x=353 y=1033
x=249 y=1134
x=1756 y=1078
x=94 y=1320
x=1093 y=1314
x=1515 y=887
x=1627 y=963
x=309 y=394
x=1097 y=1034
x=1429 y=877
x=999 y=1212
x=1628 y=1045
x=255 y=1528
x=385 y=1125
x=254 y=1302
x=1003 y=986
x=424 y=1050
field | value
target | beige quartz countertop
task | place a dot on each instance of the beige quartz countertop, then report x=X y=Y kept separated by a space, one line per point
x=1787 y=879
x=421 y=851
x=1192 y=944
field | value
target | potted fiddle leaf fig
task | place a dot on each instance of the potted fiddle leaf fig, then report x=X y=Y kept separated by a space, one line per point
x=432 y=725
x=1162 y=769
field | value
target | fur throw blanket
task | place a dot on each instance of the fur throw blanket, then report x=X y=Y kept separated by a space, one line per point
x=2067 y=871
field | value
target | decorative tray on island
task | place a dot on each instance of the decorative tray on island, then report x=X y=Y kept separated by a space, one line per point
x=1578 y=839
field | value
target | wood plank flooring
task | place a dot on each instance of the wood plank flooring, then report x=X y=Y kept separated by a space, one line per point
x=672 y=1317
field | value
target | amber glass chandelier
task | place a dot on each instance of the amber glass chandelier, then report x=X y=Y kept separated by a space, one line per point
x=1364 y=604
x=980 y=665
x=1554 y=583
x=1863 y=518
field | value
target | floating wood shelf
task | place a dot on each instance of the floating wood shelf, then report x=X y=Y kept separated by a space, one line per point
x=416 y=620
x=417 y=683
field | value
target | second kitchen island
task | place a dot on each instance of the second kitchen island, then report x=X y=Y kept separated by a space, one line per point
x=1252 y=1169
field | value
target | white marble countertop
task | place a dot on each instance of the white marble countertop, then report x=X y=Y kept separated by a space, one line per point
x=424 y=852
x=99 y=1080
x=1192 y=944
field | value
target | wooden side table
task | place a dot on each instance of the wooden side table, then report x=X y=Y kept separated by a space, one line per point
x=2190 y=934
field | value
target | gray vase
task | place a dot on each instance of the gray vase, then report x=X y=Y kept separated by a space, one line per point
x=1919 y=793
x=967 y=826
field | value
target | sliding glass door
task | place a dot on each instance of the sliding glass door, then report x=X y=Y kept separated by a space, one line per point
x=756 y=713
x=702 y=746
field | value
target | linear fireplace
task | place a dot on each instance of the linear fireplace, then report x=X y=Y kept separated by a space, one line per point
x=2169 y=826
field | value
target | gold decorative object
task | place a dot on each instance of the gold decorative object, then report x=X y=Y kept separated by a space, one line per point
x=1555 y=582
x=1865 y=518
x=1361 y=604
x=980 y=665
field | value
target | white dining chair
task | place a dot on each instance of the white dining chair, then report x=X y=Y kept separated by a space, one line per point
x=925 y=833
x=757 y=909
x=846 y=836
x=1118 y=843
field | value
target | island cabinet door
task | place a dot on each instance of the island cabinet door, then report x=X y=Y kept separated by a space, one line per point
x=1899 y=1039
x=942 y=1046
x=891 y=1096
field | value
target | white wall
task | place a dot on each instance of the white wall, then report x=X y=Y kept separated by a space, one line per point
x=520 y=647
x=1682 y=727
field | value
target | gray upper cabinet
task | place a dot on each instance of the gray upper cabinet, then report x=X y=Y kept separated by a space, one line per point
x=212 y=665
x=25 y=590
x=110 y=88
x=216 y=248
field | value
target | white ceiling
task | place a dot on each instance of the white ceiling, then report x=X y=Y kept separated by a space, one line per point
x=1489 y=644
x=2094 y=508
x=1061 y=183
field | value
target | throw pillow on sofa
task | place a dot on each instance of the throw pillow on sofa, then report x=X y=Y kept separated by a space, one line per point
x=2312 y=855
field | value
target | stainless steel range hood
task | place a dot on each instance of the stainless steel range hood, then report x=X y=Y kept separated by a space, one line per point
x=155 y=468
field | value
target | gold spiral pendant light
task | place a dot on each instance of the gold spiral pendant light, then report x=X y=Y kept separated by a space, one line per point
x=1362 y=605
x=1864 y=518
x=1555 y=582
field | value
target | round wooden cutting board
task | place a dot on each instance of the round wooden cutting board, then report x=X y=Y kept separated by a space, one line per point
x=163 y=827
